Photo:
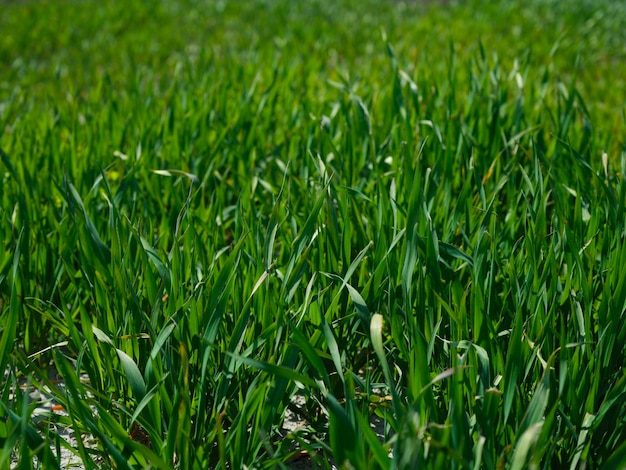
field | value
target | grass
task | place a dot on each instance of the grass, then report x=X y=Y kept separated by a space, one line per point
x=386 y=209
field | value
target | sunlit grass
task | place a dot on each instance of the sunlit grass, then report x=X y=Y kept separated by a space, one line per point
x=389 y=209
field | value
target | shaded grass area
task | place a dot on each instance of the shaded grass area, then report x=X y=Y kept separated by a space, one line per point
x=393 y=209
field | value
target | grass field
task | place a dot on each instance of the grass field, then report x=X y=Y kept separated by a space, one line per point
x=213 y=211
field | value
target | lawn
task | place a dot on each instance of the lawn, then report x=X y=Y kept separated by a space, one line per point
x=216 y=215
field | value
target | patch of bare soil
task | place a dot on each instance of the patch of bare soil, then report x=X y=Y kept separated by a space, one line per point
x=48 y=412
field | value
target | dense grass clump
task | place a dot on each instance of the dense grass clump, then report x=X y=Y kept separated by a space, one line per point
x=214 y=213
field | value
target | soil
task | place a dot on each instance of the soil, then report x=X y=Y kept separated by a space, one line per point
x=46 y=407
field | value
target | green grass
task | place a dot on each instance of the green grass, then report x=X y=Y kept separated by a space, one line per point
x=384 y=208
